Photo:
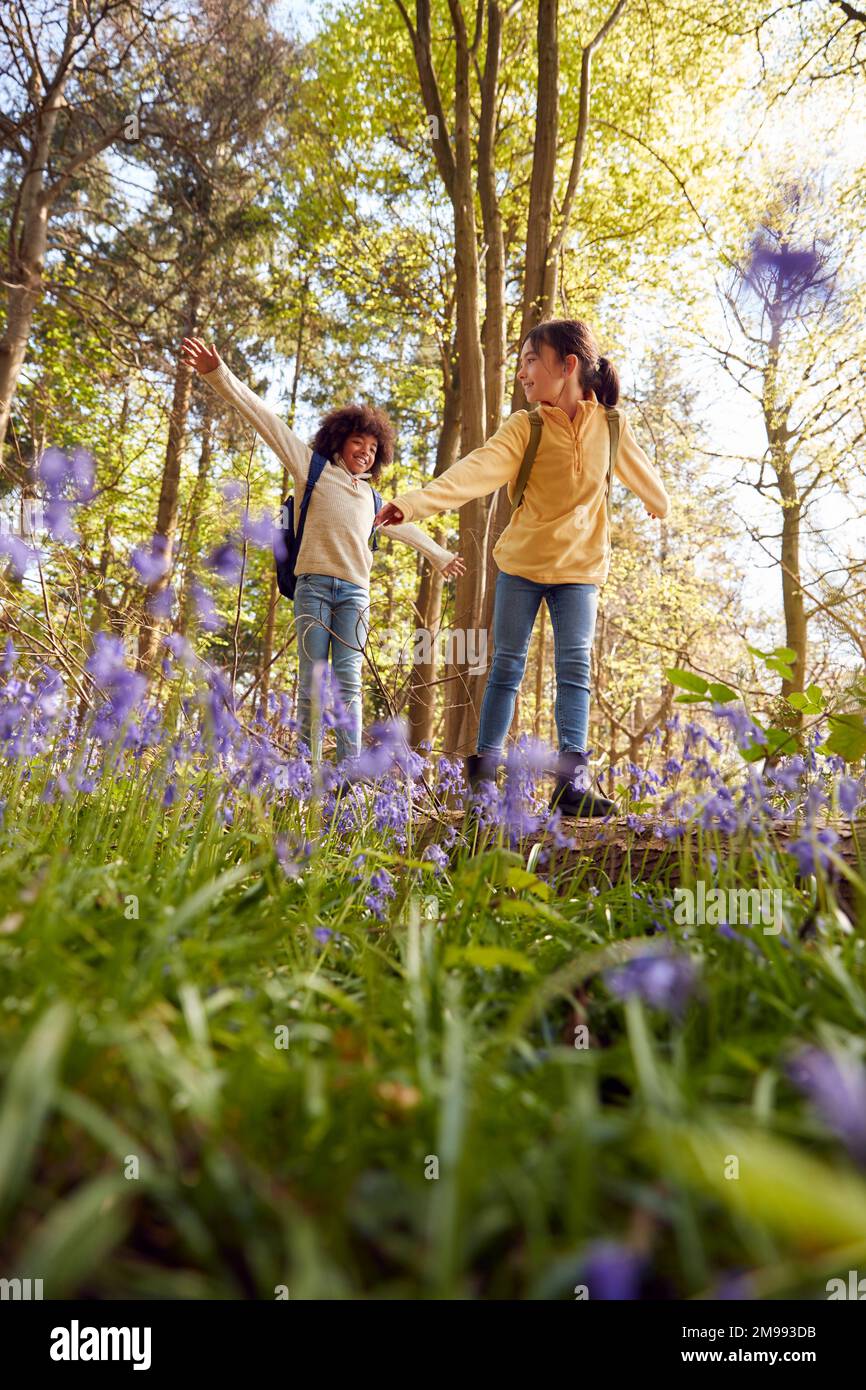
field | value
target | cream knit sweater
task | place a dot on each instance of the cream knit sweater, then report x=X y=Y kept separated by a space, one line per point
x=559 y=534
x=340 y=514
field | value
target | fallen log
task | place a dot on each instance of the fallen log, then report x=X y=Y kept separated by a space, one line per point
x=607 y=852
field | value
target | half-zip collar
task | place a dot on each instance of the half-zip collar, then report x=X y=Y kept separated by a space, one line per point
x=576 y=427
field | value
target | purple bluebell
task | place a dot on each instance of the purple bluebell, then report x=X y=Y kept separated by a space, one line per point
x=662 y=979
x=850 y=794
x=436 y=856
x=383 y=890
x=810 y=852
x=259 y=530
x=54 y=468
x=836 y=1086
x=83 y=472
x=612 y=1271
x=208 y=617
x=159 y=603
x=58 y=522
x=150 y=564
x=21 y=556
x=226 y=562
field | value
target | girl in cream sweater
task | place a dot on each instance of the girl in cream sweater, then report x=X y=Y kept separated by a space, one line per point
x=556 y=546
x=332 y=591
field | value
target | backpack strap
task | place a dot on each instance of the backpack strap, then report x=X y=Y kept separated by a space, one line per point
x=613 y=426
x=318 y=464
x=377 y=504
x=535 y=424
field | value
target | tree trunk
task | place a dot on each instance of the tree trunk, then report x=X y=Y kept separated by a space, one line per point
x=166 y=515
x=464 y=689
x=776 y=414
x=273 y=591
x=792 y=594
x=195 y=509
x=26 y=262
x=422 y=695
x=422 y=692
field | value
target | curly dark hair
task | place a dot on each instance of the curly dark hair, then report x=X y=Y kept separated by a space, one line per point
x=338 y=425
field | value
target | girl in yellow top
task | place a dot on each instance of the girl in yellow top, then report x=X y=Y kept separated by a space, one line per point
x=556 y=546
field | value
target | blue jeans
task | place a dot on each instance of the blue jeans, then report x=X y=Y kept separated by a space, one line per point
x=572 y=609
x=332 y=616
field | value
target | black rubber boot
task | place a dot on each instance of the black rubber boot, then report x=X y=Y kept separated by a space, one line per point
x=480 y=767
x=575 y=793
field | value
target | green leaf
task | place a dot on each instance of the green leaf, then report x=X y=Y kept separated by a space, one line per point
x=29 y=1096
x=786 y=654
x=816 y=695
x=689 y=699
x=847 y=737
x=519 y=907
x=781 y=667
x=687 y=680
x=489 y=958
x=797 y=700
x=523 y=878
x=781 y=741
x=753 y=754
x=722 y=693
x=780 y=1188
x=79 y=1232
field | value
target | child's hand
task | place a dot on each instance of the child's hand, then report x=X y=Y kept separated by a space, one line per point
x=195 y=354
x=388 y=516
x=454 y=567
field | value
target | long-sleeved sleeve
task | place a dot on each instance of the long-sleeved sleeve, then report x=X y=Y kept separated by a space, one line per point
x=481 y=472
x=438 y=556
x=287 y=445
x=639 y=474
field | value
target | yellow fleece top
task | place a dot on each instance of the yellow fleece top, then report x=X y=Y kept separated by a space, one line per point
x=559 y=534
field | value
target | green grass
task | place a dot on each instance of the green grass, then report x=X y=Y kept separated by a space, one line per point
x=150 y=956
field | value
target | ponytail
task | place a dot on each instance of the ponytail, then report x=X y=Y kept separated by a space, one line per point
x=574 y=336
x=606 y=382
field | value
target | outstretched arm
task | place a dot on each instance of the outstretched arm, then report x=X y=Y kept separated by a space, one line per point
x=478 y=474
x=287 y=445
x=440 y=558
x=639 y=475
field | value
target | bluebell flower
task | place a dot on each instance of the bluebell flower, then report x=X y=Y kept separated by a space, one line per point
x=437 y=856
x=208 y=617
x=836 y=1086
x=662 y=979
x=151 y=564
x=850 y=796
x=612 y=1271
x=226 y=561
x=811 y=853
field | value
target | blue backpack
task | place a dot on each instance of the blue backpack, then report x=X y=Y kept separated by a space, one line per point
x=287 y=543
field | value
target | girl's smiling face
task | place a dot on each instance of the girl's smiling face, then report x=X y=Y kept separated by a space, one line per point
x=359 y=453
x=542 y=374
